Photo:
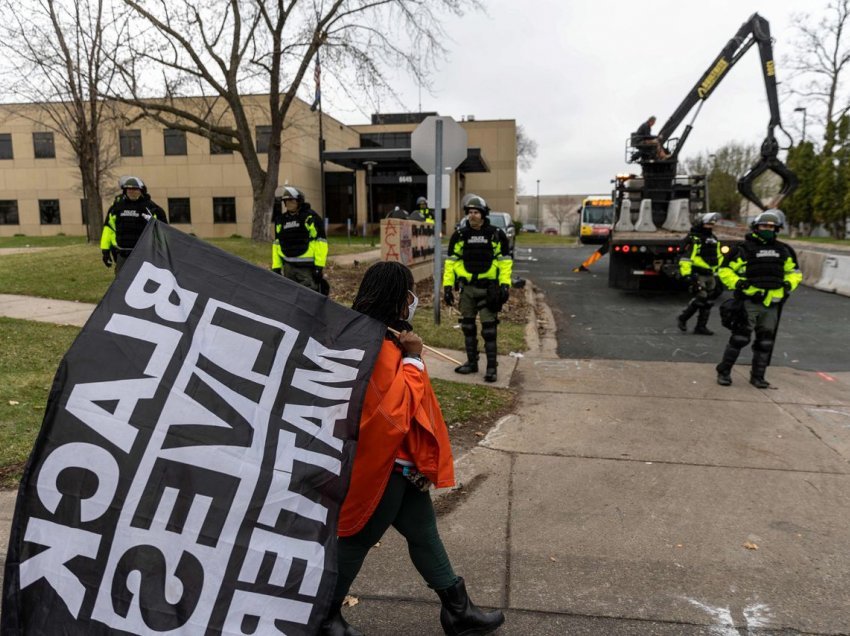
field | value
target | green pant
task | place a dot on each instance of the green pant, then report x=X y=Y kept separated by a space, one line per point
x=473 y=300
x=301 y=274
x=410 y=511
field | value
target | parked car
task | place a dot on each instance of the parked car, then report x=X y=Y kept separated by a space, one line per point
x=551 y=230
x=504 y=222
x=529 y=227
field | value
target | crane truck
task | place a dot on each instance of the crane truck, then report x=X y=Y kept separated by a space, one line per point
x=655 y=208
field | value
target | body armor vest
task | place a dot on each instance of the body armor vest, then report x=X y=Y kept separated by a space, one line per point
x=293 y=234
x=765 y=264
x=478 y=250
x=131 y=218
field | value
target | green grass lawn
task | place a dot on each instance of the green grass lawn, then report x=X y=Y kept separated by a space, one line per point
x=820 y=239
x=29 y=356
x=538 y=239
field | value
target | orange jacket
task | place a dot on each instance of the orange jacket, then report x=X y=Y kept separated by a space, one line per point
x=399 y=406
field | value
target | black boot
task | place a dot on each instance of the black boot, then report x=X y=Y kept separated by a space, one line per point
x=724 y=369
x=460 y=617
x=470 y=340
x=687 y=312
x=702 y=321
x=335 y=624
x=488 y=332
x=759 y=366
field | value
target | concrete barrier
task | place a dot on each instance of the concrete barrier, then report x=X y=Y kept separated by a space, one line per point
x=678 y=216
x=825 y=272
x=811 y=264
x=835 y=275
x=644 y=222
x=624 y=223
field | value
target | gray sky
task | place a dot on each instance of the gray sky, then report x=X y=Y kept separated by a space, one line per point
x=579 y=76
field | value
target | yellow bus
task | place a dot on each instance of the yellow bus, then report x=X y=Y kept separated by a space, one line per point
x=597 y=219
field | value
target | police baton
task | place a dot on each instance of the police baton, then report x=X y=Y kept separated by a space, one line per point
x=776 y=329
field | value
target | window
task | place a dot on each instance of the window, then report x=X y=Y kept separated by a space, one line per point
x=224 y=210
x=130 y=142
x=6 y=146
x=215 y=149
x=48 y=211
x=42 y=144
x=175 y=141
x=179 y=211
x=385 y=140
x=9 y=213
x=264 y=137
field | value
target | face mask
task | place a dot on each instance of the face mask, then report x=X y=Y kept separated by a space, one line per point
x=411 y=308
x=766 y=235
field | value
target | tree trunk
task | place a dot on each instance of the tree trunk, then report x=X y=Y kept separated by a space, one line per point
x=92 y=200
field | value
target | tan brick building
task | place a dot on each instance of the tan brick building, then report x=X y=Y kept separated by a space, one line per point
x=207 y=192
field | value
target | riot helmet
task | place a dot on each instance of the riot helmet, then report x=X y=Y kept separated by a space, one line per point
x=709 y=218
x=131 y=182
x=773 y=217
x=421 y=201
x=288 y=192
x=473 y=201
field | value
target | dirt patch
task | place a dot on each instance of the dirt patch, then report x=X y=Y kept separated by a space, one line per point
x=451 y=499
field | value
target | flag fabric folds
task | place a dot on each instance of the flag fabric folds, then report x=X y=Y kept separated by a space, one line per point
x=194 y=454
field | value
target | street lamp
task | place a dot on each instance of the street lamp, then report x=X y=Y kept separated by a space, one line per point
x=802 y=109
x=370 y=209
x=538 y=206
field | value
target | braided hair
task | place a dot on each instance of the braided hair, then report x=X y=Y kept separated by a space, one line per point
x=383 y=293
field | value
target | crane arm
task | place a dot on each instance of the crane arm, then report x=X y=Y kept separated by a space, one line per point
x=756 y=30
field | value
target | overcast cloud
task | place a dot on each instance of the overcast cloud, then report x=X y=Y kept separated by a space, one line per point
x=579 y=76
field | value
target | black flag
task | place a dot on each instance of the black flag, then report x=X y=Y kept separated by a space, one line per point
x=194 y=454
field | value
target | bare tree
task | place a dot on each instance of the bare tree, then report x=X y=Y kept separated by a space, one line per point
x=58 y=57
x=562 y=209
x=526 y=149
x=818 y=68
x=222 y=52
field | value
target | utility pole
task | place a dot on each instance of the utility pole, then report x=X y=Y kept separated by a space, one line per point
x=539 y=227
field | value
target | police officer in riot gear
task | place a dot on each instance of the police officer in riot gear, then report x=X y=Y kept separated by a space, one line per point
x=479 y=264
x=423 y=209
x=125 y=221
x=763 y=272
x=701 y=255
x=300 y=246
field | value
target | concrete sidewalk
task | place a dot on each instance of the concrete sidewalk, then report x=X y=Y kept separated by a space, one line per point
x=638 y=498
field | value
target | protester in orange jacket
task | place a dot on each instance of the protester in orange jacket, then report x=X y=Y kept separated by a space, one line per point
x=403 y=448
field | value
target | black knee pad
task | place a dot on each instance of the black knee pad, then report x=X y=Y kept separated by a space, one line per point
x=739 y=340
x=467 y=326
x=763 y=344
x=488 y=330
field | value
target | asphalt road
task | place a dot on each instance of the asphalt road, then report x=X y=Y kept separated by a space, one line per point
x=594 y=321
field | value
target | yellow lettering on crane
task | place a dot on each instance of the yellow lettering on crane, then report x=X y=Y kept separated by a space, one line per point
x=770 y=69
x=712 y=77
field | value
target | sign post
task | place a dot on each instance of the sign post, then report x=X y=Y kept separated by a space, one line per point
x=438 y=144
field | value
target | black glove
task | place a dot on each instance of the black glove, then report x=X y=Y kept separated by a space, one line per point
x=317 y=274
x=787 y=287
x=505 y=293
x=107 y=257
x=741 y=285
x=448 y=296
x=276 y=270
